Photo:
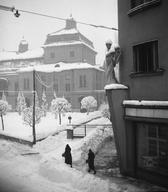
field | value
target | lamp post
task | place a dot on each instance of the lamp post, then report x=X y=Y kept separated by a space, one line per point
x=69 y=118
x=34 y=105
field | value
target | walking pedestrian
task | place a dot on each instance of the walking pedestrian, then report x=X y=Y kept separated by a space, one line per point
x=90 y=161
x=67 y=155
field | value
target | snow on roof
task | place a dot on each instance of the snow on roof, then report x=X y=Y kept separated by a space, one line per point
x=145 y=103
x=64 y=31
x=58 y=67
x=63 y=43
x=115 y=86
x=30 y=54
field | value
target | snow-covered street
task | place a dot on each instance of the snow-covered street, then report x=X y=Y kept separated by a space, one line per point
x=42 y=168
x=45 y=169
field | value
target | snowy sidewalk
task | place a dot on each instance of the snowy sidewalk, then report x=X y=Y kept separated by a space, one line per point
x=43 y=168
x=34 y=173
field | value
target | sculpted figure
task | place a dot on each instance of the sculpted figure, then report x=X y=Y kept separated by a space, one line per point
x=111 y=59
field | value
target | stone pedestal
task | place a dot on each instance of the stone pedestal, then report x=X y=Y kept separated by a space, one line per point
x=70 y=133
x=116 y=93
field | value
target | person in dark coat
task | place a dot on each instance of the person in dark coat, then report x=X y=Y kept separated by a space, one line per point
x=67 y=155
x=90 y=161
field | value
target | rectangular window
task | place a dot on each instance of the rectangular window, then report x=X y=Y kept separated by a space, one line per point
x=72 y=54
x=26 y=84
x=146 y=57
x=152 y=146
x=43 y=88
x=135 y=3
x=67 y=87
x=55 y=87
x=16 y=86
x=82 y=81
x=52 y=55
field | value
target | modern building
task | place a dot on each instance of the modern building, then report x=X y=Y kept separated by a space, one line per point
x=64 y=65
x=139 y=106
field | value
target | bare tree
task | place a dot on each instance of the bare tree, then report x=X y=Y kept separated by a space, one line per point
x=28 y=115
x=44 y=105
x=3 y=109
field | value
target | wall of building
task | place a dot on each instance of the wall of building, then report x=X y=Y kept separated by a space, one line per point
x=147 y=25
x=62 y=54
x=93 y=81
x=88 y=55
x=9 y=87
x=64 y=37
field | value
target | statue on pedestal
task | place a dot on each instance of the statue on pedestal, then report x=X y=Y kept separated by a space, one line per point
x=111 y=59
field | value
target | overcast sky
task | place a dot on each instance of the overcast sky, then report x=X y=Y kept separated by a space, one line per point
x=35 y=28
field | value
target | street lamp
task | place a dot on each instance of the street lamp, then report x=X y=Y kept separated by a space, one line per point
x=17 y=14
x=69 y=118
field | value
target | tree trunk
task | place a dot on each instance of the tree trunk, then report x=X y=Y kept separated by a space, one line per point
x=2 y=122
x=60 y=118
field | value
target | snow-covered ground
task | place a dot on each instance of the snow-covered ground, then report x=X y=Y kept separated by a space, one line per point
x=15 y=126
x=42 y=168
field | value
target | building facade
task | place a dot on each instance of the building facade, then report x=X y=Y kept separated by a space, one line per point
x=64 y=66
x=141 y=128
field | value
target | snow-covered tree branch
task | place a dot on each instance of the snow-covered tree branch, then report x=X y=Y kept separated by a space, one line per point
x=21 y=103
x=89 y=103
x=60 y=106
x=28 y=115
x=3 y=109
x=104 y=108
x=44 y=104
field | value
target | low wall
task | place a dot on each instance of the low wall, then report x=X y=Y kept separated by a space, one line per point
x=22 y=141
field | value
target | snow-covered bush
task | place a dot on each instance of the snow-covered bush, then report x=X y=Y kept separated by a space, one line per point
x=28 y=115
x=89 y=103
x=3 y=109
x=55 y=95
x=21 y=103
x=44 y=104
x=106 y=113
x=3 y=96
x=94 y=140
x=104 y=108
x=60 y=106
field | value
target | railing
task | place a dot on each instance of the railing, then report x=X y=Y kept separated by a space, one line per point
x=80 y=131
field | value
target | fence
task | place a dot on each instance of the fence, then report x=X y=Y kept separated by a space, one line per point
x=80 y=131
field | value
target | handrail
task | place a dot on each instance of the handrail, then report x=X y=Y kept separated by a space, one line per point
x=88 y=125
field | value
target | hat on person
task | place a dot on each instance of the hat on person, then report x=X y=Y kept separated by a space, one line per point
x=109 y=41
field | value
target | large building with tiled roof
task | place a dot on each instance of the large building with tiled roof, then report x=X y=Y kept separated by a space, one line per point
x=65 y=64
x=69 y=45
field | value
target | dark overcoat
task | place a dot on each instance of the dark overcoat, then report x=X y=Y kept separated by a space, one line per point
x=67 y=155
